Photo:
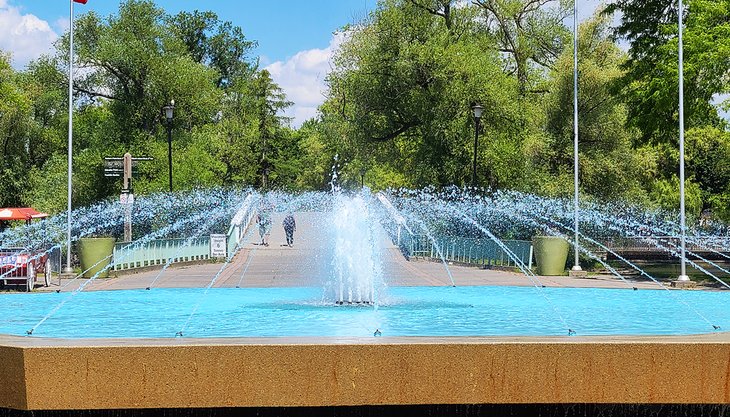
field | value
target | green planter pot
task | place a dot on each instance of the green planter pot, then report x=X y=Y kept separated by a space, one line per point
x=551 y=253
x=93 y=250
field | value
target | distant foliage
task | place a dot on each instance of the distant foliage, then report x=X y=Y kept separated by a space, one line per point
x=398 y=105
x=227 y=128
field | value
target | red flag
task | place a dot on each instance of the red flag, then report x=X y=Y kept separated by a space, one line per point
x=81 y=1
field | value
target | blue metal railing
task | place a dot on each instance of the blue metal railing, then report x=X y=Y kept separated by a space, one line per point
x=129 y=255
x=465 y=250
x=473 y=251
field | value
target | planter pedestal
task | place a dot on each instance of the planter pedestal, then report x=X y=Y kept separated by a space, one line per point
x=551 y=253
x=95 y=253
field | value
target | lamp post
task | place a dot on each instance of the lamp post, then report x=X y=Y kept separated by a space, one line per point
x=168 y=112
x=477 y=109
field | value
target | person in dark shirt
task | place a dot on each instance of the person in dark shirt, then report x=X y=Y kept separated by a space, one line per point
x=289 y=227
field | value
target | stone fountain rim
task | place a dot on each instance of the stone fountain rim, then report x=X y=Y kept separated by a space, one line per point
x=720 y=337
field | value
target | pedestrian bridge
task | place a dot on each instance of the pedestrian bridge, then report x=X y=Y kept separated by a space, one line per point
x=666 y=248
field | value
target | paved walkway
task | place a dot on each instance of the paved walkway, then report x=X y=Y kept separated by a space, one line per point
x=306 y=264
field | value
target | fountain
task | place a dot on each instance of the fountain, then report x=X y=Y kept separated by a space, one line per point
x=297 y=326
x=355 y=255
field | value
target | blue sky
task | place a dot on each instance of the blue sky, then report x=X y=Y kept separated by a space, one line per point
x=282 y=27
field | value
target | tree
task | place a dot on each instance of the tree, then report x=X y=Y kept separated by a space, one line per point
x=317 y=154
x=441 y=8
x=128 y=66
x=402 y=89
x=135 y=63
x=15 y=122
x=609 y=168
x=708 y=153
x=44 y=84
x=650 y=84
x=250 y=133
x=217 y=44
x=529 y=31
x=269 y=102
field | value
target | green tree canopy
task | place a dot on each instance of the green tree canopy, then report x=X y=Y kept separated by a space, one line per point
x=650 y=83
x=403 y=86
x=128 y=66
x=609 y=169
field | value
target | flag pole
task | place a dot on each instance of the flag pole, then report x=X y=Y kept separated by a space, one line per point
x=576 y=264
x=682 y=218
x=68 y=268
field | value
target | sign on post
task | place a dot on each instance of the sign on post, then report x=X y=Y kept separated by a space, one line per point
x=126 y=198
x=123 y=167
x=217 y=246
x=113 y=167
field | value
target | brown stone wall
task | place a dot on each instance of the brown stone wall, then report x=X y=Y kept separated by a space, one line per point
x=176 y=373
x=12 y=378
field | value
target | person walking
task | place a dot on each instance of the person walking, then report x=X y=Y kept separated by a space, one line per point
x=264 y=221
x=290 y=225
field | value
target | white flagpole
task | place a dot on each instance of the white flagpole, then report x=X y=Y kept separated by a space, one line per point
x=68 y=268
x=576 y=265
x=682 y=220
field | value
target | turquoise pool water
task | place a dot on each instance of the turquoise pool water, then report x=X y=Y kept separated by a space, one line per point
x=404 y=311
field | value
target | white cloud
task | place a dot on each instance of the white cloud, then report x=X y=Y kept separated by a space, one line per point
x=25 y=36
x=62 y=24
x=264 y=60
x=302 y=79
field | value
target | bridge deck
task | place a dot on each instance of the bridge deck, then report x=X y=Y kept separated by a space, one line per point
x=306 y=262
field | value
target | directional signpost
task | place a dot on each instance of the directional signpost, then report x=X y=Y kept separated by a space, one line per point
x=124 y=167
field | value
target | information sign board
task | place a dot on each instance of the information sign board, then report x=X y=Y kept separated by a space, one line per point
x=217 y=246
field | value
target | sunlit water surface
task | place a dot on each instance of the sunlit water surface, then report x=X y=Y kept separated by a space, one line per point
x=402 y=311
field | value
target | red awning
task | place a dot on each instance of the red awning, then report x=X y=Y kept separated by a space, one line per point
x=20 y=213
